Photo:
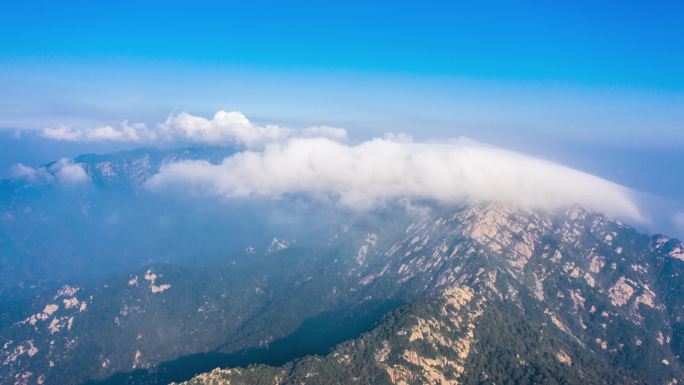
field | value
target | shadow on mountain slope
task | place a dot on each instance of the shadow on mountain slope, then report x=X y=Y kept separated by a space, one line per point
x=317 y=335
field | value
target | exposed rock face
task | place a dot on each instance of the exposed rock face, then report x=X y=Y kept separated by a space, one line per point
x=563 y=358
x=621 y=292
x=573 y=297
x=429 y=344
x=585 y=285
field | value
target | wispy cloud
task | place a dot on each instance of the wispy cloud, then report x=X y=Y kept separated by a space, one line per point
x=125 y=132
x=678 y=220
x=224 y=128
x=20 y=170
x=395 y=167
x=63 y=170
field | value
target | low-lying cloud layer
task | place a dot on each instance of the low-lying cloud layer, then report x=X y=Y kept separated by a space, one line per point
x=372 y=172
x=316 y=161
x=63 y=170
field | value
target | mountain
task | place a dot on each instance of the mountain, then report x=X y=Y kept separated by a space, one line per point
x=310 y=293
x=55 y=230
x=511 y=298
x=445 y=339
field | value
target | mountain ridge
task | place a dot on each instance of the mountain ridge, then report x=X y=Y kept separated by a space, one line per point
x=477 y=237
x=626 y=307
x=596 y=285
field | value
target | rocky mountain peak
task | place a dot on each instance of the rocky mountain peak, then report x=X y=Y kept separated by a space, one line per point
x=582 y=290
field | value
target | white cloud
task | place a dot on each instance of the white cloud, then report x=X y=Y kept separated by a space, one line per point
x=20 y=170
x=375 y=171
x=333 y=133
x=62 y=133
x=63 y=170
x=234 y=128
x=69 y=172
x=224 y=128
x=678 y=220
x=136 y=132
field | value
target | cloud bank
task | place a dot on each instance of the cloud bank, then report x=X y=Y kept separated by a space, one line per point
x=224 y=128
x=395 y=167
x=317 y=161
x=136 y=132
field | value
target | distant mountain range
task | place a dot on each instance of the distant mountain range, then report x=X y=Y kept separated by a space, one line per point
x=103 y=282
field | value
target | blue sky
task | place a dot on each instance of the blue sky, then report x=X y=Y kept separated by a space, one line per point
x=595 y=85
x=112 y=57
x=600 y=43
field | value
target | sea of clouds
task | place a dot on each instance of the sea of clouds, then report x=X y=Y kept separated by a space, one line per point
x=320 y=162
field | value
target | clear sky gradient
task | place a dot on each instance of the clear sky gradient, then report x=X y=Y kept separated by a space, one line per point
x=595 y=85
x=613 y=43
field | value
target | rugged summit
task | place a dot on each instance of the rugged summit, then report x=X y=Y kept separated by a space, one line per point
x=503 y=297
x=489 y=292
